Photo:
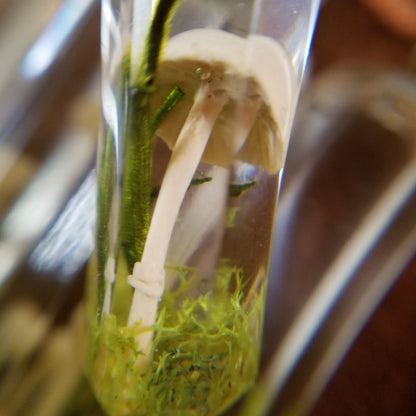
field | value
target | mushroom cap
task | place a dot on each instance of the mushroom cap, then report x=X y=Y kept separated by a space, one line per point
x=255 y=71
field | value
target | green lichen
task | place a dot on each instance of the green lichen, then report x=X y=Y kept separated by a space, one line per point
x=204 y=356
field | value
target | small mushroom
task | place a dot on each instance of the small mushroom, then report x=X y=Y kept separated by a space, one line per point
x=237 y=105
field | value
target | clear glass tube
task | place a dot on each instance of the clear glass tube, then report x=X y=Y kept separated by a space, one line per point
x=198 y=103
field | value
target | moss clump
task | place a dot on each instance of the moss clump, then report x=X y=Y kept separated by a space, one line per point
x=205 y=353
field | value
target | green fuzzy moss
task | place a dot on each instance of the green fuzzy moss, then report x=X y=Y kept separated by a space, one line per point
x=204 y=357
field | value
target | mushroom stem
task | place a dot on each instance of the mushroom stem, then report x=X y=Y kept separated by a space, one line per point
x=148 y=278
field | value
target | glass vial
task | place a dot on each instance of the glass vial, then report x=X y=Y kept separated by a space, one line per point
x=198 y=99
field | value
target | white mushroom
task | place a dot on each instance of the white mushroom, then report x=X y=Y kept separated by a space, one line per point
x=237 y=105
x=254 y=72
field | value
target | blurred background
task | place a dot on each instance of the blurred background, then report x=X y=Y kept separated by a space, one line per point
x=378 y=375
x=49 y=124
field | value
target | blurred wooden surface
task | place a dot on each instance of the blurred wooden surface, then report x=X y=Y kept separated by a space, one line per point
x=378 y=376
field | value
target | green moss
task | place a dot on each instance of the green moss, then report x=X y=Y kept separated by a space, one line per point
x=205 y=353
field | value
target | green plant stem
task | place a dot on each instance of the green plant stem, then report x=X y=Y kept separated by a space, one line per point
x=137 y=187
x=139 y=129
x=157 y=34
x=170 y=102
x=136 y=181
x=106 y=181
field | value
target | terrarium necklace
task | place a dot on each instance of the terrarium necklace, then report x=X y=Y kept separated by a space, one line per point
x=196 y=127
